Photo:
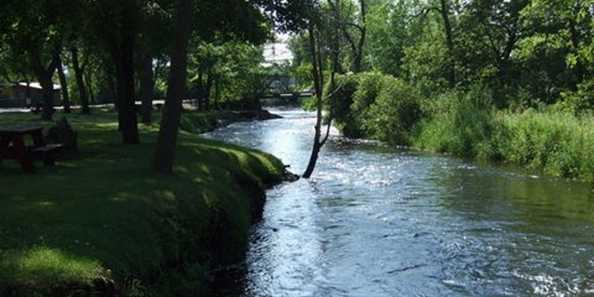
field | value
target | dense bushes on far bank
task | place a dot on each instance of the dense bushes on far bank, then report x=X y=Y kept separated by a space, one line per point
x=464 y=123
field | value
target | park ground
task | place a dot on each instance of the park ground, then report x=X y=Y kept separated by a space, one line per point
x=102 y=223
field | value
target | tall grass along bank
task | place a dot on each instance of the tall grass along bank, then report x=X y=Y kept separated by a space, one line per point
x=464 y=123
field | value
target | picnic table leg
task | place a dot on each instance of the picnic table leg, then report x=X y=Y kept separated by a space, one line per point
x=3 y=147
x=38 y=138
x=21 y=155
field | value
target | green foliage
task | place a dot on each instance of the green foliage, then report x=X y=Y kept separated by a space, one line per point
x=423 y=64
x=392 y=29
x=579 y=101
x=557 y=142
x=340 y=98
x=394 y=113
x=225 y=73
x=460 y=123
x=369 y=87
x=309 y=103
x=465 y=124
x=371 y=104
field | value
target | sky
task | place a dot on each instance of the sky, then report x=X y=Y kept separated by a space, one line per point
x=278 y=51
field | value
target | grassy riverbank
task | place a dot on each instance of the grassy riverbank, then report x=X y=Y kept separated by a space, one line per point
x=465 y=123
x=104 y=223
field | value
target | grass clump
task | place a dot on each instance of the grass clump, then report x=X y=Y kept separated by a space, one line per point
x=105 y=220
x=558 y=142
x=461 y=124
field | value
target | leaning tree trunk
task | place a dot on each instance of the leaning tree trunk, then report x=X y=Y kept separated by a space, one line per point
x=80 y=82
x=176 y=88
x=318 y=83
x=147 y=87
x=63 y=85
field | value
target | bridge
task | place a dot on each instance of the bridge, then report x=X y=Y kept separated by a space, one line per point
x=289 y=96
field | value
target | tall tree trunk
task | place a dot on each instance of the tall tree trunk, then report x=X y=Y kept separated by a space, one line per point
x=44 y=75
x=208 y=92
x=217 y=96
x=201 y=89
x=80 y=83
x=63 y=84
x=358 y=60
x=575 y=38
x=318 y=83
x=112 y=89
x=125 y=91
x=121 y=48
x=87 y=79
x=176 y=88
x=445 y=15
x=47 y=85
x=147 y=87
x=28 y=98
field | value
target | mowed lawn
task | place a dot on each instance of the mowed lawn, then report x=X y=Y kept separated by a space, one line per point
x=104 y=215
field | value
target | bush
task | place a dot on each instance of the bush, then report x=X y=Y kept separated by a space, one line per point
x=578 y=102
x=461 y=123
x=394 y=113
x=309 y=103
x=338 y=100
x=558 y=142
x=368 y=88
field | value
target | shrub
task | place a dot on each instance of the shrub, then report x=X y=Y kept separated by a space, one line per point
x=558 y=142
x=338 y=100
x=394 y=113
x=460 y=123
x=309 y=103
x=370 y=84
x=578 y=102
x=349 y=101
x=368 y=88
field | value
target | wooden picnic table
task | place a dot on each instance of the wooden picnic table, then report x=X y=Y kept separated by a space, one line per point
x=13 y=146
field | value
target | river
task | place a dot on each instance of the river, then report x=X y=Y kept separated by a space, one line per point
x=380 y=221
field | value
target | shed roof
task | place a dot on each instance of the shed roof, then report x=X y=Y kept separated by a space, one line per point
x=36 y=85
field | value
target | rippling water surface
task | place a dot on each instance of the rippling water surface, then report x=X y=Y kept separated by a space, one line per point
x=376 y=221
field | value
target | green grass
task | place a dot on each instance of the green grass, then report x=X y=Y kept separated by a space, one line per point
x=106 y=216
x=554 y=143
x=559 y=143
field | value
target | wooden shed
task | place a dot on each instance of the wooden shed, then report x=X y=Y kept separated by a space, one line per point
x=24 y=94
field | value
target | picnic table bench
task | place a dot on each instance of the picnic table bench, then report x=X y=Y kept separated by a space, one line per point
x=13 y=146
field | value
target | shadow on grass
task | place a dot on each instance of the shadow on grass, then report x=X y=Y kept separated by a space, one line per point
x=106 y=215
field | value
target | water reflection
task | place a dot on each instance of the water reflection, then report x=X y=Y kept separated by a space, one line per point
x=382 y=222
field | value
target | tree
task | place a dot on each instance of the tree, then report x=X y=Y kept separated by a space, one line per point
x=31 y=27
x=345 y=21
x=242 y=20
x=117 y=23
x=78 y=73
x=155 y=24
x=176 y=89
x=444 y=11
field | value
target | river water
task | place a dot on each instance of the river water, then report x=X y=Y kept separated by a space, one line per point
x=379 y=221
